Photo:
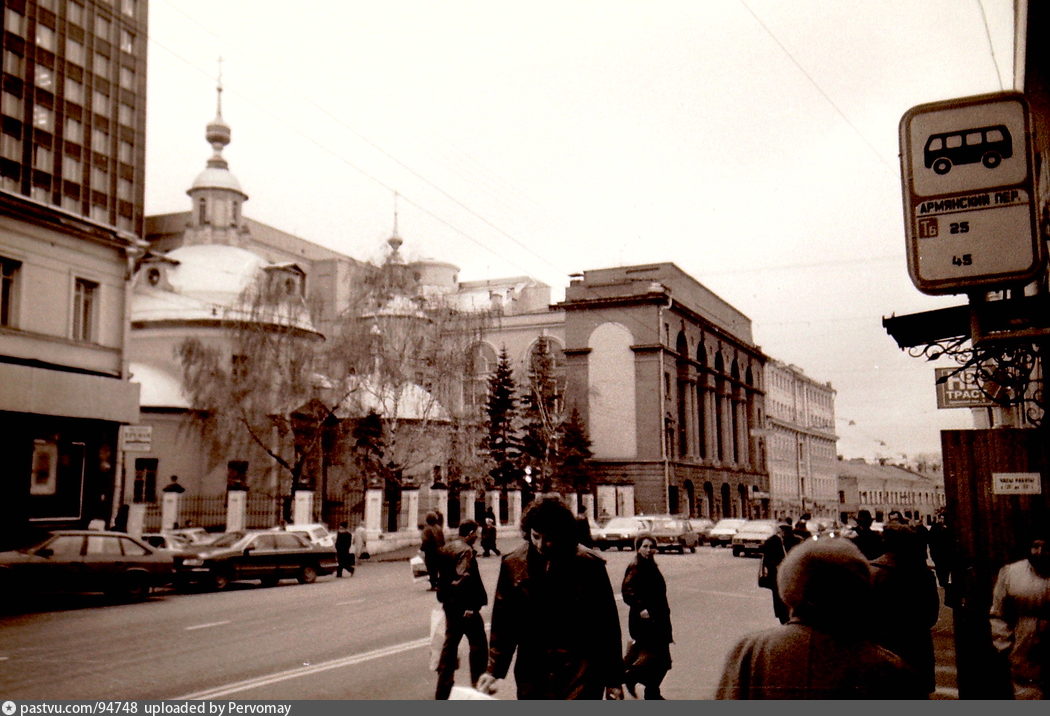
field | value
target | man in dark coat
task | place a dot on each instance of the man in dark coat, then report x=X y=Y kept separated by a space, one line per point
x=462 y=595
x=554 y=606
x=868 y=541
x=344 y=541
x=905 y=600
x=773 y=552
x=433 y=539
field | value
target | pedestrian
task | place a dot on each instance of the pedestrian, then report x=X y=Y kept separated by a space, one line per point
x=462 y=595
x=433 y=539
x=489 y=514
x=905 y=601
x=644 y=591
x=554 y=606
x=942 y=550
x=822 y=652
x=801 y=529
x=583 y=528
x=773 y=551
x=1020 y=618
x=488 y=539
x=120 y=522
x=868 y=541
x=343 y=545
x=360 y=544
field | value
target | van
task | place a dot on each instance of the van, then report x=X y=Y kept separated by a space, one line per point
x=987 y=145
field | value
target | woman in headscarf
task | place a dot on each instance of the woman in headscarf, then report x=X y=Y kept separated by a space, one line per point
x=823 y=651
x=648 y=658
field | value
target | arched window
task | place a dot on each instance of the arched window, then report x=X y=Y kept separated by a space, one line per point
x=481 y=362
x=682 y=395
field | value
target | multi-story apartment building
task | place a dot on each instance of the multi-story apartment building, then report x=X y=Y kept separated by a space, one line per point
x=71 y=198
x=800 y=428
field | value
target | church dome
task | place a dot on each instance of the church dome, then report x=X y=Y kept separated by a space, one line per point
x=214 y=272
x=216 y=178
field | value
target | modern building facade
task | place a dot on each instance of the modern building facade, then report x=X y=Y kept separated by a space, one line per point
x=71 y=197
x=800 y=420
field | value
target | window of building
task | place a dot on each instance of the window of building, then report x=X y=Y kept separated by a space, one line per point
x=71 y=203
x=124 y=189
x=43 y=158
x=127 y=41
x=47 y=4
x=102 y=26
x=100 y=104
x=145 y=489
x=74 y=51
x=11 y=105
x=126 y=115
x=71 y=168
x=45 y=37
x=99 y=213
x=128 y=7
x=13 y=63
x=99 y=141
x=14 y=22
x=74 y=131
x=44 y=78
x=125 y=152
x=8 y=290
x=101 y=67
x=43 y=118
x=74 y=91
x=99 y=178
x=85 y=298
x=237 y=475
x=202 y=211
x=75 y=13
x=127 y=78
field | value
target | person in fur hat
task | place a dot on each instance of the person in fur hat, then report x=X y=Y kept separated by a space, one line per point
x=823 y=652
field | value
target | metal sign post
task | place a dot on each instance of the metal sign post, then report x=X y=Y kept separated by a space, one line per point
x=969 y=197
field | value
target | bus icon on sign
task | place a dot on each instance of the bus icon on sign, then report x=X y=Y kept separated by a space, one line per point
x=987 y=145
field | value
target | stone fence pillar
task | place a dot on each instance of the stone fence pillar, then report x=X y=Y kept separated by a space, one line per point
x=236 y=510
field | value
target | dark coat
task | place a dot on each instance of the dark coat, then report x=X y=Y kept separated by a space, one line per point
x=459 y=581
x=433 y=539
x=906 y=607
x=869 y=542
x=343 y=542
x=644 y=589
x=562 y=620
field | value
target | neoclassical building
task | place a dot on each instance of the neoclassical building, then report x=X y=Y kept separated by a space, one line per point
x=801 y=443
x=669 y=381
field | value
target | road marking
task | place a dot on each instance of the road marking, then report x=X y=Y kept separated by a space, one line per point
x=205 y=626
x=280 y=676
x=735 y=595
x=352 y=601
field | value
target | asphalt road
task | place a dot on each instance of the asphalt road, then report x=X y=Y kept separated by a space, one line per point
x=364 y=637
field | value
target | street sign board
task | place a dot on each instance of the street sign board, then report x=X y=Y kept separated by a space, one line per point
x=969 y=198
x=136 y=438
x=1017 y=483
x=960 y=390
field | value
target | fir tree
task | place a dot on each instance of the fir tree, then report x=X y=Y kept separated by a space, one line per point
x=542 y=415
x=502 y=442
x=572 y=471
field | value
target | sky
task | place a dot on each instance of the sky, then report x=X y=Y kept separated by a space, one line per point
x=754 y=143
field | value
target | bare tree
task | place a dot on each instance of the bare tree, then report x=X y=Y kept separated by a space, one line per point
x=252 y=382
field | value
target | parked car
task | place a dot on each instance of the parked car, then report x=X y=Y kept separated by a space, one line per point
x=703 y=526
x=192 y=535
x=619 y=532
x=749 y=538
x=673 y=534
x=164 y=540
x=266 y=555
x=721 y=535
x=315 y=532
x=86 y=561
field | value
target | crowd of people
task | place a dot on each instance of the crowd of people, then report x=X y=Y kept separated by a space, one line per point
x=856 y=615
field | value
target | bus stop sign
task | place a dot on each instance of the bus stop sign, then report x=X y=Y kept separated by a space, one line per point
x=969 y=196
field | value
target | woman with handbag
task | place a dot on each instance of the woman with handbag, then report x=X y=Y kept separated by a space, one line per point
x=648 y=657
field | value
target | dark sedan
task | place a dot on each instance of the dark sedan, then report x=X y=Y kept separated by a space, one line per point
x=75 y=561
x=267 y=556
x=673 y=534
